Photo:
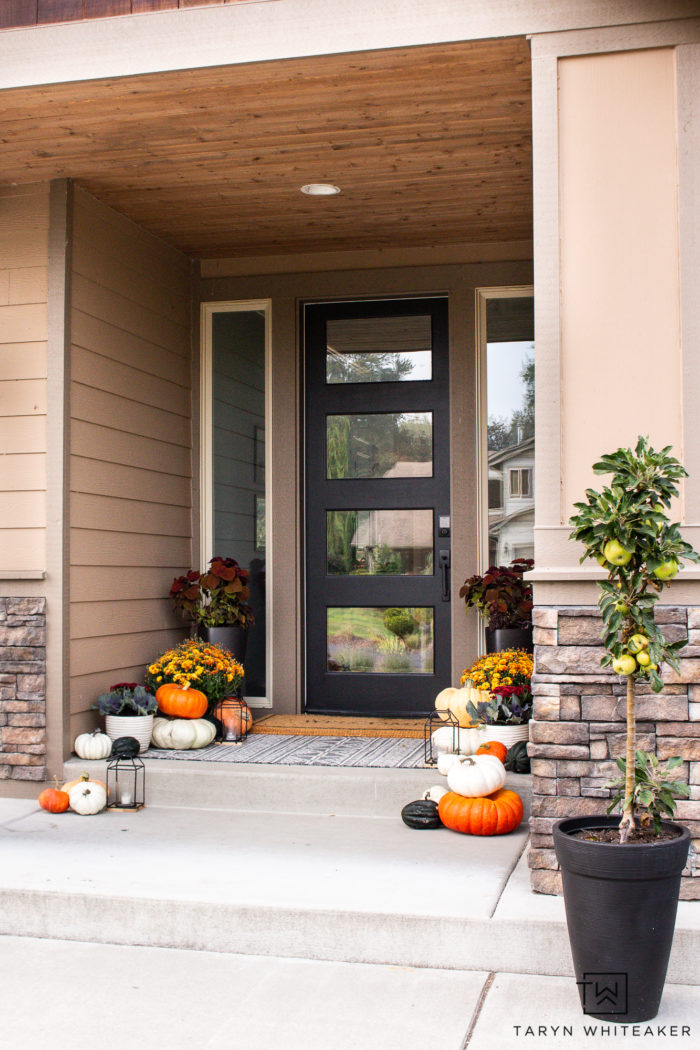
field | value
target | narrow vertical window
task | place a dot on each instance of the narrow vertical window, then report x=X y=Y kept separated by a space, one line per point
x=508 y=332
x=235 y=461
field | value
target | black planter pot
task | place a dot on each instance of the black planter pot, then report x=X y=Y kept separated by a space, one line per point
x=621 y=906
x=235 y=639
x=508 y=638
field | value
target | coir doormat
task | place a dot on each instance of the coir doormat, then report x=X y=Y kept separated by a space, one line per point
x=335 y=725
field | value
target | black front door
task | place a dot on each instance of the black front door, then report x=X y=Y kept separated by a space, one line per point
x=377 y=506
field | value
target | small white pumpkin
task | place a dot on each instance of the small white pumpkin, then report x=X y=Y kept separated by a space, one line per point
x=465 y=741
x=87 y=798
x=476 y=775
x=446 y=761
x=435 y=793
x=93 y=746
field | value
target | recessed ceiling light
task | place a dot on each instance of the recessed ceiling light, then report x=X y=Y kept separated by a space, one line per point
x=320 y=189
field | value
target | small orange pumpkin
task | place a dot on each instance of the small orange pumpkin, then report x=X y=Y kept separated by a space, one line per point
x=181 y=702
x=493 y=747
x=54 y=800
x=496 y=814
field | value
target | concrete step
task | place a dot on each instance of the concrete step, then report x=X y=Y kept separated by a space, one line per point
x=343 y=887
x=320 y=790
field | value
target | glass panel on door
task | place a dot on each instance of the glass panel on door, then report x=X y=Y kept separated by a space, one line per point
x=379 y=542
x=379 y=349
x=387 y=445
x=380 y=640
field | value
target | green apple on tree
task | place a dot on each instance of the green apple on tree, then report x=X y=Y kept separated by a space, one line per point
x=643 y=550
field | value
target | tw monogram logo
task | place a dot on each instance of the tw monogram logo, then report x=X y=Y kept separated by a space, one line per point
x=604 y=993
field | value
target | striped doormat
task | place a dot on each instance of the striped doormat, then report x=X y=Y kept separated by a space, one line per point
x=336 y=726
x=278 y=750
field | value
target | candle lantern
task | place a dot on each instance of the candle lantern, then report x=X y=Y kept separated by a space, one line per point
x=234 y=718
x=126 y=776
x=440 y=734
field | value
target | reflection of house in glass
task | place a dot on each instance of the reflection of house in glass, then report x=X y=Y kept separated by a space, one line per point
x=394 y=542
x=511 y=502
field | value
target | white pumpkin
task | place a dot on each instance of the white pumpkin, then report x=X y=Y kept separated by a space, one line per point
x=93 y=746
x=465 y=741
x=476 y=775
x=182 y=734
x=446 y=761
x=435 y=793
x=87 y=798
x=453 y=701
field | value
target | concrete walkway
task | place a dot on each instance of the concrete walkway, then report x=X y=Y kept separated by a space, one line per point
x=310 y=918
x=68 y=995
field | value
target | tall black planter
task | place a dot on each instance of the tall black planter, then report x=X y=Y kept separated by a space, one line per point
x=508 y=638
x=621 y=906
x=235 y=639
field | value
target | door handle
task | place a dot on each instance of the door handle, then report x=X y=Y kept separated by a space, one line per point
x=444 y=559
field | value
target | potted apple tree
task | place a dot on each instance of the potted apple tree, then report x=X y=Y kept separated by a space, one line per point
x=621 y=875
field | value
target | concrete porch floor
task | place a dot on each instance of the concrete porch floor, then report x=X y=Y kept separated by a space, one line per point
x=311 y=916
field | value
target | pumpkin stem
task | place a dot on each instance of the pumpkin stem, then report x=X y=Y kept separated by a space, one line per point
x=84 y=776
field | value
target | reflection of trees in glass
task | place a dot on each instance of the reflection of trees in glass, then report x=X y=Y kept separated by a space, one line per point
x=503 y=432
x=367 y=368
x=371 y=445
x=341 y=526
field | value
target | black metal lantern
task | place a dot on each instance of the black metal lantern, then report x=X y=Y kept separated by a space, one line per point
x=446 y=721
x=233 y=718
x=126 y=776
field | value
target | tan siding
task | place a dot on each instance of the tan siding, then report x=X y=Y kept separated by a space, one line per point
x=24 y=250
x=131 y=459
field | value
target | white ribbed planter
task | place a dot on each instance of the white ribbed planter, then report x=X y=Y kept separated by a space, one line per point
x=138 y=726
x=507 y=735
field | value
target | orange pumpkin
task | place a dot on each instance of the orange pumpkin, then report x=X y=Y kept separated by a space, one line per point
x=180 y=702
x=493 y=747
x=54 y=800
x=495 y=814
x=83 y=778
x=237 y=719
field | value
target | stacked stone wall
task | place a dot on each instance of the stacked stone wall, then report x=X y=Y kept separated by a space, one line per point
x=22 y=688
x=579 y=728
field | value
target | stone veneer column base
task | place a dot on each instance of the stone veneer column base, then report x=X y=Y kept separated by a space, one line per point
x=22 y=689
x=578 y=728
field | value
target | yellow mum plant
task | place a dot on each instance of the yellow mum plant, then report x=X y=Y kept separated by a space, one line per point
x=200 y=665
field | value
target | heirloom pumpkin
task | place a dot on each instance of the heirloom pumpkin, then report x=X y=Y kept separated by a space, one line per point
x=92 y=747
x=493 y=747
x=477 y=775
x=181 y=702
x=82 y=779
x=517 y=760
x=182 y=734
x=421 y=814
x=453 y=701
x=497 y=814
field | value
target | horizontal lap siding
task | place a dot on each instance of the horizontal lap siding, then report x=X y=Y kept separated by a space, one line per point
x=24 y=247
x=131 y=449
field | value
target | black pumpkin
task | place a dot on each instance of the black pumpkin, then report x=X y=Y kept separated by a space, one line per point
x=423 y=813
x=517 y=760
x=125 y=747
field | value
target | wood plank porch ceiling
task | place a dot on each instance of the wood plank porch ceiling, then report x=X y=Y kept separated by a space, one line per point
x=430 y=146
